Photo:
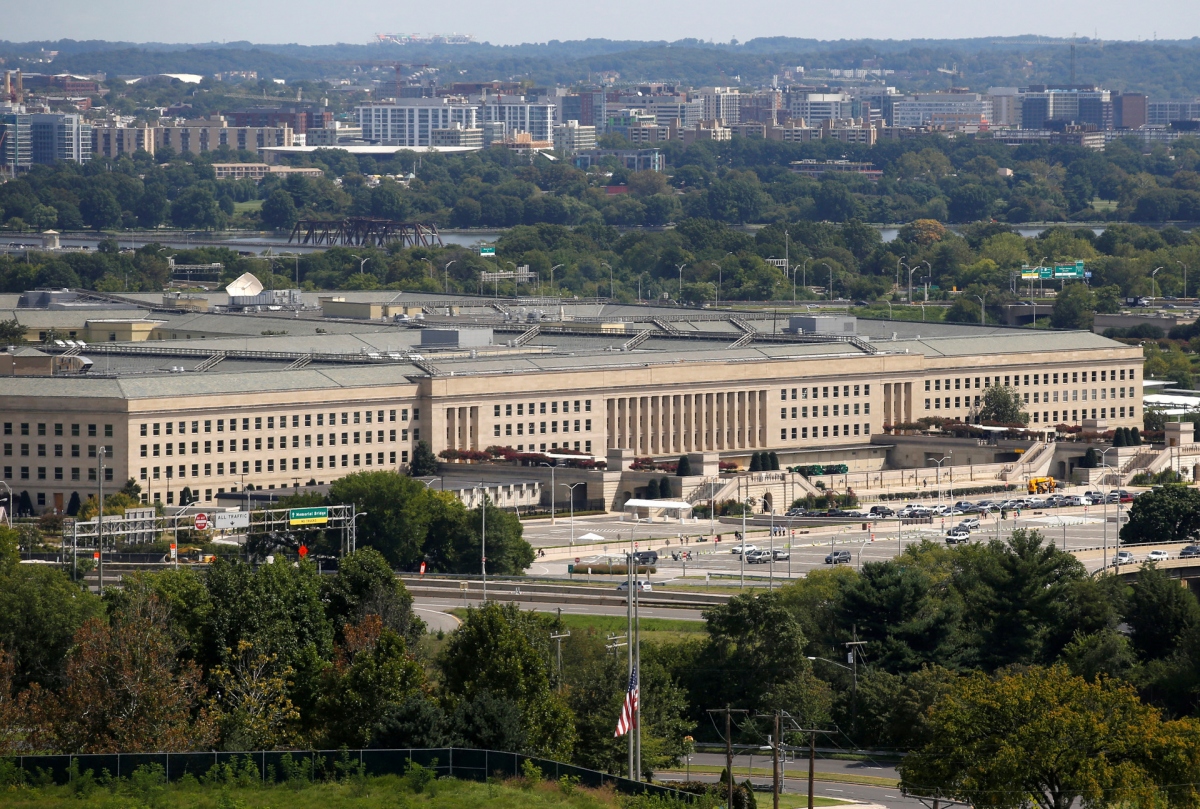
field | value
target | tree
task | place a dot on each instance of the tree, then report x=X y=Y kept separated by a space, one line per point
x=664 y=488
x=1119 y=437
x=755 y=647
x=1165 y=514
x=755 y=462
x=684 y=467
x=424 y=462
x=1160 y=613
x=73 y=505
x=279 y=210
x=41 y=609
x=100 y=208
x=774 y=458
x=1074 y=308
x=251 y=705
x=500 y=650
x=152 y=208
x=366 y=585
x=125 y=689
x=196 y=207
x=1040 y=734
x=12 y=333
x=398 y=513
x=1002 y=405
x=652 y=489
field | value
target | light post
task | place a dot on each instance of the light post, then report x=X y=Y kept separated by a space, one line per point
x=446 y=276
x=982 y=308
x=1104 y=463
x=552 y=517
x=1039 y=266
x=363 y=261
x=483 y=542
x=804 y=271
x=352 y=545
x=552 y=269
x=441 y=483
x=929 y=267
x=826 y=266
x=681 y=266
x=611 y=288
x=911 y=270
x=1153 y=288
x=572 y=486
x=899 y=263
x=939 y=462
x=854 y=674
x=889 y=303
x=427 y=261
x=717 y=295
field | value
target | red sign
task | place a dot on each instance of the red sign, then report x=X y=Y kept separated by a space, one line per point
x=576 y=560
x=422 y=568
x=201 y=522
x=303 y=551
x=96 y=556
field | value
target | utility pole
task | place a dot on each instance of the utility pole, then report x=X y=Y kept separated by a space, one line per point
x=775 y=762
x=812 y=764
x=558 y=638
x=728 y=744
x=853 y=660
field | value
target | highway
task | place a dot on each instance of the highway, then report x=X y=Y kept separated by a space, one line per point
x=435 y=611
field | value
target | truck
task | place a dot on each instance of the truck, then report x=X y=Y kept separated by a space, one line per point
x=1042 y=485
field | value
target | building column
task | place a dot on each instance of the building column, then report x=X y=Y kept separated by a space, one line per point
x=473 y=438
x=763 y=436
x=451 y=431
x=610 y=412
x=908 y=401
x=887 y=402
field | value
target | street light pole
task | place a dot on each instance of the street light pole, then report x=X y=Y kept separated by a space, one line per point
x=572 y=486
x=1152 y=282
x=1104 y=463
x=446 y=276
x=982 y=308
x=611 y=288
x=899 y=262
x=911 y=270
x=1181 y=264
x=681 y=266
x=8 y=503
x=552 y=269
x=552 y=510
x=826 y=266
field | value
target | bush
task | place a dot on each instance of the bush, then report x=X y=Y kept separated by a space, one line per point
x=418 y=778
x=684 y=467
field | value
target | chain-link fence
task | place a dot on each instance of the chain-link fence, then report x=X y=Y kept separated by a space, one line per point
x=316 y=765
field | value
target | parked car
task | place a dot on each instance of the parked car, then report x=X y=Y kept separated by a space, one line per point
x=970 y=523
x=782 y=555
x=1124 y=558
x=1189 y=552
x=642 y=586
x=1157 y=556
x=646 y=557
x=758 y=557
x=964 y=504
x=837 y=512
x=1125 y=497
x=882 y=511
x=838 y=558
x=794 y=512
x=957 y=535
x=737 y=549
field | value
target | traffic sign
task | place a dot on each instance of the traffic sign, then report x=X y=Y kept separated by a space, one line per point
x=487 y=252
x=174 y=551
x=422 y=568
x=225 y=520
x=303 y=551
x=308 y=516
x=201 y=522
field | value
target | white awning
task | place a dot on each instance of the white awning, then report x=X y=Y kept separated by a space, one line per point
x=665 y=504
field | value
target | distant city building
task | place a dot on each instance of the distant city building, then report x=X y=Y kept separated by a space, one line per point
x=816 y=169
x=587 y=107
x=1005 y=105
x=762 y=106
x=257 y=171
x=705 y=130
x=207 y=134
x=1043 y=105
x=16 y=150
x=572 y=137
x=1161 y=113
x=720 y=104
x=632 y=159
x=113 y=139
x=922 y=108
x=816 y=107
x=519 y=115
x=59 y=136
x=457 y=135
x=299 y=119
x=410 y=121
x=1129 y=110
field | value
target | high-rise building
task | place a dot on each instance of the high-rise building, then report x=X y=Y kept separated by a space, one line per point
x=16 y=151
x=1047 y=105
x=1005 y=106
x=519 y=115
x=112 y=139
x=572 y=137
x=208 y=134
x=720 y=104
x=921 y=109
x=300 y=119
x=816 y=107
x=59 y=136
x=1129 y=110
x=1161 y=113
x=409 y=121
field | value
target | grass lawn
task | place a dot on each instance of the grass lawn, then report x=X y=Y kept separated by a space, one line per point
x=386 y=792
x=247 y=207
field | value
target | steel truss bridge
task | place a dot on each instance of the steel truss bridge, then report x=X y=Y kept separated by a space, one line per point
x=361 y=231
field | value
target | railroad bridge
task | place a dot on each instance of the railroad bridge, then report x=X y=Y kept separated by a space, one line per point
x=358 y=231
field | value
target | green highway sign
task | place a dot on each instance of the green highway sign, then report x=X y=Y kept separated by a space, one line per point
x=1069 y=270
x=308 y=516
x=487 y=251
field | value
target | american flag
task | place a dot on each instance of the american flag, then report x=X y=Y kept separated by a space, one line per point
x=629 y=709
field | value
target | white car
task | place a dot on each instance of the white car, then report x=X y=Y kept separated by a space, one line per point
x=970 y=523
x=1157 y=556
x=1124 y=558
x=739 y=549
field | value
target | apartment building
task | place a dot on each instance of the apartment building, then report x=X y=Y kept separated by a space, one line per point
x=720 y=104
x=411 y=121
x=572 y=137
x=207 y=134
x=923 y=108
x=456 y=135
x=273 y=425
x=817 y=107
x=519 y=115
x=1084 y=105
x=59 y=136
x=113 y=140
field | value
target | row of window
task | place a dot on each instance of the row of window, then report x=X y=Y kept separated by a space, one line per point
x=1051 y=417
x=348 y=417
x=798 y=433
x=587 y=447
x=368 y=437
x=271 y=465
x=521 y=411
x=43 y=450
x=824 y=410
x=58 y=472
x=1039 y=397
x=1014 y=380
x=824 y=392
x=566 y=427
x=76 y=429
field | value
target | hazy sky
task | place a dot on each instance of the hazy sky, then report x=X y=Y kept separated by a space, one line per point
x=327 y=21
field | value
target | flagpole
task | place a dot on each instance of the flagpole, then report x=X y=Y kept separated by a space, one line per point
x=629 y=574
x=637 y=662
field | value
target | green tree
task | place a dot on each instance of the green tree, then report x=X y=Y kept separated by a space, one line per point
x=1164 y=514
x=366 y=585
x=500 y=650
x=755 y=647
x=279 y=210
x=1160 y=612
x=12 y=333
x=1036 y=734
x=41 y=609
x=1074 y=308
x=652 y=489
x=100 y=209
x=684 y=467
x=1002 y=405
x=424 y=462
x=196 y=207
x=397 y=513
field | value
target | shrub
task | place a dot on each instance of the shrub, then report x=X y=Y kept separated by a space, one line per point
x=418 y=778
